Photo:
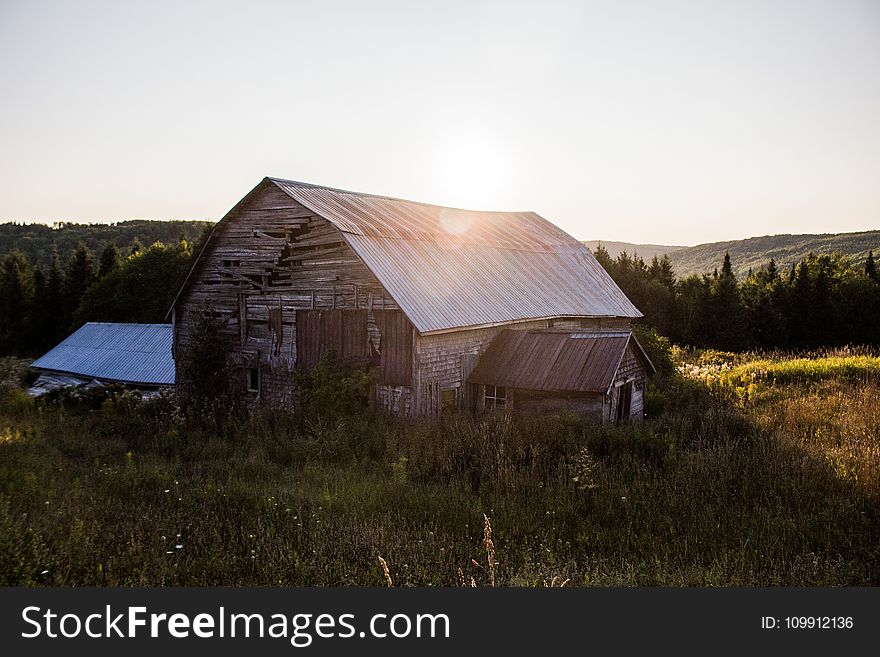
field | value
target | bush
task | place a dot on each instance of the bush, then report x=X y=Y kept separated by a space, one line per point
x=335 y=387
x=201 y=364
x=14 y=373
x=658 y=348
x=16 y=402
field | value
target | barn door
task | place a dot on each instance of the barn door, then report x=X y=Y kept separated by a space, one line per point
x=624 y=403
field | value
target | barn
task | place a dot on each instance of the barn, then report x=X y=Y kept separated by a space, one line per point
x=452 y=308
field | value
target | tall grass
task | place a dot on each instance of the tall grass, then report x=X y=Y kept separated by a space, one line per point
x=708 y=491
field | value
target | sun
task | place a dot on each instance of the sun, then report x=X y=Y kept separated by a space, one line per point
x=472 y=171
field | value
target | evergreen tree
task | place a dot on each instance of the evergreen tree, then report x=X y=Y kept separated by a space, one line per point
x=871 y=268
x=16 y=300
x=726 y=267
x=604 y=259
x=109 y=261
x=78 y=277
x=772 y=271
x=728 y=327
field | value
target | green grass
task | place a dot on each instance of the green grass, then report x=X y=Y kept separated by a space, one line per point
x=782 y=490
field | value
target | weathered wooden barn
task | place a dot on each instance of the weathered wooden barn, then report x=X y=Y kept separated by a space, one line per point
x=453 y=308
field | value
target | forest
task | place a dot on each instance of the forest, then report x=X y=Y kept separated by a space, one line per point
x=42 y=302
x=822 y=300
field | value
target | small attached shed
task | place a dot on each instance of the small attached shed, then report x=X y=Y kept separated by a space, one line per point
x=98 y=353
x=601 y=374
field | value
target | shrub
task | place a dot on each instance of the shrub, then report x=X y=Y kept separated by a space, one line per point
x=658 y=348
x=201 y=364
x=335 y=387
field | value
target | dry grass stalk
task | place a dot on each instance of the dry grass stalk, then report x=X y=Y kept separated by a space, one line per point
x=385 y=570
x=556 y=583
x=490 y=548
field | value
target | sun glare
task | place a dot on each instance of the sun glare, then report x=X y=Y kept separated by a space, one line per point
x=473 y=173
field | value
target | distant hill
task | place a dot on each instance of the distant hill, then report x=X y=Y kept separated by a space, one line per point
x=752 y=252
x=785 y=249
x=647 y=251
x=37 y=240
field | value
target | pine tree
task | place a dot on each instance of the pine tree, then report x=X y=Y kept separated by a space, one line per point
x=728 y=327
x=726 y=267
x=109 y=261
x=604 y=259
x=78 y=277
x=16 y=300
x=871 y=267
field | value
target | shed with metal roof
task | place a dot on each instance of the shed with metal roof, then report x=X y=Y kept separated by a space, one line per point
x=137 y=355
x=600 y=371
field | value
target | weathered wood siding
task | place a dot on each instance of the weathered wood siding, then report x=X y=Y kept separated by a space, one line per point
x=442 y=360
x=534 y=401
x=631 y=369
x=267 y=260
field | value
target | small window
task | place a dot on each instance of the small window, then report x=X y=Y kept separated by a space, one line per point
x=495 y=397
x=253 y=379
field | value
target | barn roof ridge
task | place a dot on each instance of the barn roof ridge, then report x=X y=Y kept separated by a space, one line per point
x=340 y=190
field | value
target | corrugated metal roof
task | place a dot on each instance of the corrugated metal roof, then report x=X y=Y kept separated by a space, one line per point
x=128 y=353
x=449 y=268
x=578 y=361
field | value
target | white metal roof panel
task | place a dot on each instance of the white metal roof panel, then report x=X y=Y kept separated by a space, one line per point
x=128 y=353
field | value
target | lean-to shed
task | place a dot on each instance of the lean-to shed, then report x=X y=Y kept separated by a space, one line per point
x=135 y=355
x=417 y=291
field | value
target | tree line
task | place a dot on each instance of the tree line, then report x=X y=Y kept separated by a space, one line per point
x=39 y=241
x=822 y=300
x=40 y=304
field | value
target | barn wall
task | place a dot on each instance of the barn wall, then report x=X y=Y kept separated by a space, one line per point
x=269 y=259
x=533 y=401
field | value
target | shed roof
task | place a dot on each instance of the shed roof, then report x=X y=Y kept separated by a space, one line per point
x=557 y=361
x=127 y=353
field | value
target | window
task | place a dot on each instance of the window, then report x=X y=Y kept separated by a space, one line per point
x=495 y=397
x=253 y=379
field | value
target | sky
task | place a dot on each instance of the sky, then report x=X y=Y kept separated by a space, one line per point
x=652 y=122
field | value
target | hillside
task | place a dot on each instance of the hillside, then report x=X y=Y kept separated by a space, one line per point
x=752 y=252
x=646 y=251
x=37 y=240
x=785 y=249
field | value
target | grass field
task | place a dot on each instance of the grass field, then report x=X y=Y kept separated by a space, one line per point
x=750 y=470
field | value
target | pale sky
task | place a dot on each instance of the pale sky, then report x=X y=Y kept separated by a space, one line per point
x=654 y=121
